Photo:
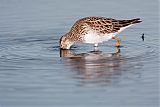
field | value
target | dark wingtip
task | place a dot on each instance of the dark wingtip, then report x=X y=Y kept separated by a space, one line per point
x=137 y=20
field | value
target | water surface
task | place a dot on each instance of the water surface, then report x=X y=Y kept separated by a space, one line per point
x=32 y=73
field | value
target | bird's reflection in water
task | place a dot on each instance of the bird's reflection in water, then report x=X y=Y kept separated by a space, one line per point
x=93 y=65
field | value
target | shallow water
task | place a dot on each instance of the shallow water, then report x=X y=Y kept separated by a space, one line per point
x=32 y=73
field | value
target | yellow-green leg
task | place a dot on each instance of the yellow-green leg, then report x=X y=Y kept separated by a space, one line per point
x=118 y=41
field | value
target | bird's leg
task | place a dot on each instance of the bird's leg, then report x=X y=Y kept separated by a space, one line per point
x=118 y=41
x=96 y=45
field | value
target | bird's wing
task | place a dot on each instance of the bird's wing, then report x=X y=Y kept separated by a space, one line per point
x=100 y=24
x=109 y=25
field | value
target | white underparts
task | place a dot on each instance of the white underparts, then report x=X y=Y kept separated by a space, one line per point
x=93 y=37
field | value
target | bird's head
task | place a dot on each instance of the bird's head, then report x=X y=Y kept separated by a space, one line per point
x=65 y=42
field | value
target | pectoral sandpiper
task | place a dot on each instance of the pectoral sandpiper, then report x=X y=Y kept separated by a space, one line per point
x=95 y=30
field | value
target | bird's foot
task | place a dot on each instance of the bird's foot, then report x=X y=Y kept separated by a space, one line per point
x=118 y=45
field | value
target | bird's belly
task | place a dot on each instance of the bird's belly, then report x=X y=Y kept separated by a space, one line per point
x=93 y=37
